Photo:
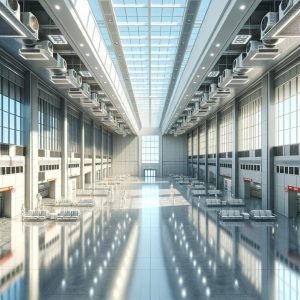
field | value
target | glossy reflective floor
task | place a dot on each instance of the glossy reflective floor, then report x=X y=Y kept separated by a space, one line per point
x=152 y=246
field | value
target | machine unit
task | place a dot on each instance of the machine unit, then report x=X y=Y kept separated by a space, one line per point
x=285 y=6
x=100 y=111
x=215 y=92
x=256 y=51
x=238 y=66
x=41 y=51
x=83 y=92
x=267 y=23
x=68 y=80
x=31 y=22
x=60 y=66
x=91 y=102
x=13 y=6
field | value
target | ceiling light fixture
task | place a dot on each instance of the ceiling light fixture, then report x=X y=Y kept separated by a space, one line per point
x=57 y=7
x=203 y=68
x=242 y=7
x=218 y=45
x=81 y=45
x=212 y=54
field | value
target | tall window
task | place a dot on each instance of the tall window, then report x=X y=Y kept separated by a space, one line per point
x=202 y=141
x=226 y=133
x=150 y=149
x=250 y=126
x=11 y=113
x=286 y=110
x=49 y=126
x=211 y=137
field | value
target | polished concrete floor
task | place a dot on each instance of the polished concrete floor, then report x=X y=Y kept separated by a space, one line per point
x=151 y=246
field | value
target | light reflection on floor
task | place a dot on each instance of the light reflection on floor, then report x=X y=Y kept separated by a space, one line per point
x=151 y=246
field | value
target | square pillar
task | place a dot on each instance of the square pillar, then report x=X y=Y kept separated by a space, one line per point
x=235 y=158
x=82 y=151
x=64 y=149
x=31 y=139
x=267 y=140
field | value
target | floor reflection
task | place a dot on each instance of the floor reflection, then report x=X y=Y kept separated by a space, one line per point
x=158 y=248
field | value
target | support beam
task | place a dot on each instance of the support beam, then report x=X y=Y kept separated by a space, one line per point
x=64 y=149
x=267 y=141
x=31 y=140
x=235 y=162
x=82 y=142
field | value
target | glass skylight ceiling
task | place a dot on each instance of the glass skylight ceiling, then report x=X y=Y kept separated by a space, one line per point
x=150 y=31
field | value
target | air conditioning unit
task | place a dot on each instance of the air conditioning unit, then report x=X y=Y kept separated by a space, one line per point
x=212 y=88
x=226 y=73
x=83 y=92
x=31 y=22
x=238 y=66
x=100 y=111
x=215 y=92
x=68 y=80
x=267 y=23
x=13 y=6
x=91 y=102
x=285 y=6
x=60 y=67
x=41 y=51
x=256 y=51
x=220 y=79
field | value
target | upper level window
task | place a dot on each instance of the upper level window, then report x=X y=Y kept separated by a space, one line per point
x=150 y=149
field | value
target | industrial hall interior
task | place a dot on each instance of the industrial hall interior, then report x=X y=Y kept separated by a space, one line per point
x=149 y=149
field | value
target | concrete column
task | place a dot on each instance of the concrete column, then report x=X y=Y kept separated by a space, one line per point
x=235 y=162
x=64 y=149
x=206 y=152
x=218 y=119
x=31 y=139
x=93 y=152
x=82 y=150
x=267 y=141
x=102 y=139
x=198 y=130
x=107 y=155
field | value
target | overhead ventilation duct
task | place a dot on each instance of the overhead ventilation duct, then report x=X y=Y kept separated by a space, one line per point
x=59 y=66
x=267 y=23
x=91 y=102
x=238 y=65
x=100 y=111
x=256 y=51
x=199 y=111
x=83 y=92
x=41 y=51
x=68 y=80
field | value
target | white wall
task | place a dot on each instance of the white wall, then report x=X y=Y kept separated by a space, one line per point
x=125 y=155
